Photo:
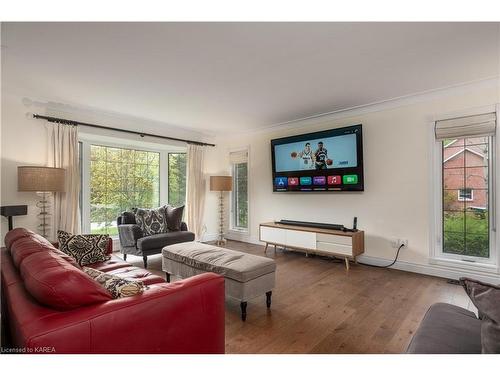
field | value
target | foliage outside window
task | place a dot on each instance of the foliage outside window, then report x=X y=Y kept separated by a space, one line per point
x=465 y=169
x=240 y=196
x=121 y=179
x=176 y=179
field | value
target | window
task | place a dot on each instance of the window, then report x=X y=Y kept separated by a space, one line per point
x=120 y=179
x=239 y=201
x=465 y=200
x=466 y=220
x=176 y=179
x=465 y=194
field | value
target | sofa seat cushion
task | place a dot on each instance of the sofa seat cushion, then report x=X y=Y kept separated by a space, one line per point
x=158 y=241
x=232 y=264
x=137 y=274
x=108 y=265
x=447 y=329
x=54 y=282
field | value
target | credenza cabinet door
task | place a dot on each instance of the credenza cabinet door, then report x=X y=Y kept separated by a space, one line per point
x=272 y=235
x=300 y=239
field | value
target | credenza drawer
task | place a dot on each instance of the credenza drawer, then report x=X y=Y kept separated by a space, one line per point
x=334 y=248
x=301 y=239
x=331 y=238
x=272 y=235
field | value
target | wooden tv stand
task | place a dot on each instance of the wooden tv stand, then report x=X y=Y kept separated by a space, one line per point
x=347 y=245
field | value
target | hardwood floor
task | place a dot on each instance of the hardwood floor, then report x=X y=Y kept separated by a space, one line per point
x=320 y=307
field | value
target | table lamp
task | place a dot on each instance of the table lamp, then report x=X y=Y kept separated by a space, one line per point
x=221 y=184
x=43 y=181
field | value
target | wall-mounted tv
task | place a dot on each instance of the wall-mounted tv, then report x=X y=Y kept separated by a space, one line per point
x=330 y=160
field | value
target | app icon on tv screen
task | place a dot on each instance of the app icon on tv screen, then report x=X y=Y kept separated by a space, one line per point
x=334 y=180
x=293 y=181
x=281 y=182
x=305 y=180
x=350 y=179
x=319 y=180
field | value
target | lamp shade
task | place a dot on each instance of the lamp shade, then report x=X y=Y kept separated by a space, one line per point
x=44 y=179
x=221 y=183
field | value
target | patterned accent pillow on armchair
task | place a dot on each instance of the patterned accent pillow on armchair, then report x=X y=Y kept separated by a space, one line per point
x=152 y=221
x=85 y=248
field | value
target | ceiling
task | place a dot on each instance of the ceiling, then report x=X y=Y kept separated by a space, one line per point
x=221 y=77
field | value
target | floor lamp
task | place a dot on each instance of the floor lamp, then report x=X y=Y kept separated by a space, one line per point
x=43 y=181
x=221 y=184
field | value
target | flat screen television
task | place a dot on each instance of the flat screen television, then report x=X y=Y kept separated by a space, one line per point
x=325 y=161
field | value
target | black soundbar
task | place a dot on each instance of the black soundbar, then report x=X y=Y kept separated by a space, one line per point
x=312 y=224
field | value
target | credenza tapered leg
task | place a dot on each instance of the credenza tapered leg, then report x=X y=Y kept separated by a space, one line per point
x=346 y=263
x=265 y=250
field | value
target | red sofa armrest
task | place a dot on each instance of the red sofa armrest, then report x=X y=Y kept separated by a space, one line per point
x=182 y=317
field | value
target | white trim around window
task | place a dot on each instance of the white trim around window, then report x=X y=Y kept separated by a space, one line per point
x=436 y=256
x=237 y=232
x=463 y=197
x=88 y=139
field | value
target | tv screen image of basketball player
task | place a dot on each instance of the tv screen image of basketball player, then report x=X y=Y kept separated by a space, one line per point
x=329 y=160
x=318 y=154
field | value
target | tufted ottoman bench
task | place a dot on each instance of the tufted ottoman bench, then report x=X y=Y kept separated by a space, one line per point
x=246 y=276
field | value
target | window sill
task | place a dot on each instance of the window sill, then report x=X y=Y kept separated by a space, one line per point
x=239 y=230
x=464 y=265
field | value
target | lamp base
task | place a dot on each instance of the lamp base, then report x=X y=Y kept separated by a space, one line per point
x=221 y=242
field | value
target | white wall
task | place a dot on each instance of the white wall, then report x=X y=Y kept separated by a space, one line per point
x=395 y=203
x=24 y=142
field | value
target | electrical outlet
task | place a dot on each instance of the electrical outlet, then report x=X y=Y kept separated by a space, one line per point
x=397 y=242
x=402 y=242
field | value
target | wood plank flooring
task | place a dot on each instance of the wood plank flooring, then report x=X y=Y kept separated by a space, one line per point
x=320 y=307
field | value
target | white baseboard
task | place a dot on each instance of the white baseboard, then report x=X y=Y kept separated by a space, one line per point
x=431 y=269
x=425 y=269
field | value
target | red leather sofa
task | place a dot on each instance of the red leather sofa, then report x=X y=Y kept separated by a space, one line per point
x=51 y=306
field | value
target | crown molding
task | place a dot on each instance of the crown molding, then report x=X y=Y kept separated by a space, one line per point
x=383 y=105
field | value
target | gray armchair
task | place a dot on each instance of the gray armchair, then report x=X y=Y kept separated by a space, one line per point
x=134 y=242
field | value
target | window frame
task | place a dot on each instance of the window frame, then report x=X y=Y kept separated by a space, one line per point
x=462 y=198
x=232 y=225
x=89 y=139
x=168 y=171
x=437 y=256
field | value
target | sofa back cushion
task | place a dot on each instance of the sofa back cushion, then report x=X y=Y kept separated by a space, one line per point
x=53 y=282
x=15 y=234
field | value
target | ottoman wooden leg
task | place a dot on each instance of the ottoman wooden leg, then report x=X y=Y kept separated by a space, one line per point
x=145 y=261
x=243 y=306
x=167 y=277
x=124 y=256
x=268 y=299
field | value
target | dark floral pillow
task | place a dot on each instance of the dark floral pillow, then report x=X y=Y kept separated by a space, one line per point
x=152 y=221
x=117 y=286
x=486 y=298
x=84 y=248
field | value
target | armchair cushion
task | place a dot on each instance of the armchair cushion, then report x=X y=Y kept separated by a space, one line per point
x=129 y=234
x=174 y=218
x=152 y=221
x=159 y=241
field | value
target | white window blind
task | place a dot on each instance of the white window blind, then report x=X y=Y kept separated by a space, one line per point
x=468 y=126
x=238 y=157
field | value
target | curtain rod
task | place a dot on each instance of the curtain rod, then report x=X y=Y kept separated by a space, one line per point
x=72 y=122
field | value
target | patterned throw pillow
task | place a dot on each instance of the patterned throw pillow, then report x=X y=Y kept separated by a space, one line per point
x=152 y=221
x=117 y=286
x=85 y=248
